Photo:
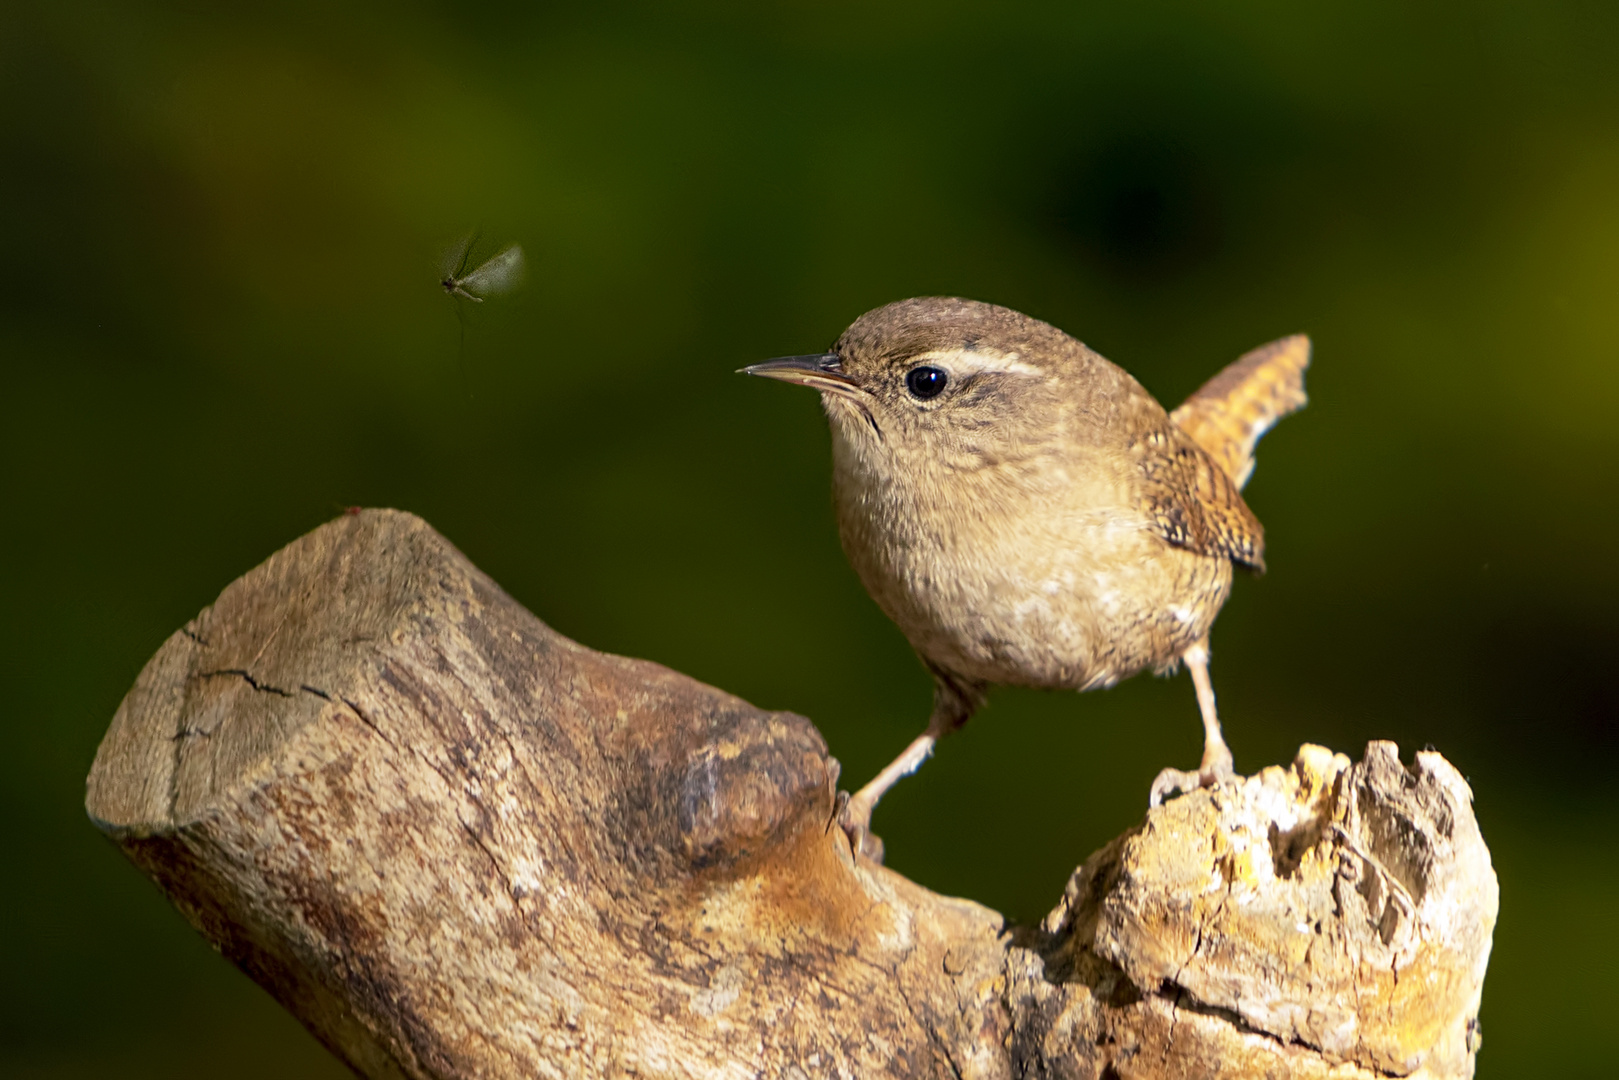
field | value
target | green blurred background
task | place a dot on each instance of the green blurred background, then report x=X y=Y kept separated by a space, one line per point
x=219 y=325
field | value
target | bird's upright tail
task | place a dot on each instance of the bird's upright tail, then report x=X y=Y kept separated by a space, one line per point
x=1231 y=411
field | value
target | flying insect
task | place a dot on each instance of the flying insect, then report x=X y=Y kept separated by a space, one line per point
x=498 y=274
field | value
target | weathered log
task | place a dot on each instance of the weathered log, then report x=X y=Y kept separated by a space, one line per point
x=454 y=844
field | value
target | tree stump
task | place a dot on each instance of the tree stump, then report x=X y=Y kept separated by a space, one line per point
x=456 y=844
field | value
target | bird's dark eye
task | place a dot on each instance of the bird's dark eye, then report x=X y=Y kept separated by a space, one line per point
x=926 y=382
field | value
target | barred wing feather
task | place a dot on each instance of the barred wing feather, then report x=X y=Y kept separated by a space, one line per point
x=1231 y=411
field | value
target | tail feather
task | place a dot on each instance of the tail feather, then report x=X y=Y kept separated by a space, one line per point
x=1231 y=411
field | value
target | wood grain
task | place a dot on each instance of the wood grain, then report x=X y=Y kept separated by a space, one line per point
x=456 y=844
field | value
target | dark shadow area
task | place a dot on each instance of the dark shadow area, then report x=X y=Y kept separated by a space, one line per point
x=1138 y=206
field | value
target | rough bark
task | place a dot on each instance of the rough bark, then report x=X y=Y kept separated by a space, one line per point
x=457 y=844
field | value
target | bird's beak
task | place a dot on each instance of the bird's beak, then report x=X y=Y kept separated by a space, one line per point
x=821 y=371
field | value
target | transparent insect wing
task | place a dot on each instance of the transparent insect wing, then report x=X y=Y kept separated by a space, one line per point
x=500 y=274
x=456 y=257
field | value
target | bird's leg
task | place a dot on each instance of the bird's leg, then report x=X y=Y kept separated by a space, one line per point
x=856 y=815
x=954 y=702
x=1217 y=762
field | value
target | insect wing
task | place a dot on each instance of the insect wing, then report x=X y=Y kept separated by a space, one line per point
x=500 y=274
x=456 y=257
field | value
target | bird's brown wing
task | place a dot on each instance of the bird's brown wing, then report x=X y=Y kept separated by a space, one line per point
x=1231 y=411
x=1193 y=503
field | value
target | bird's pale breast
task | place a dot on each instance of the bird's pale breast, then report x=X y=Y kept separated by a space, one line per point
x=1060 y=583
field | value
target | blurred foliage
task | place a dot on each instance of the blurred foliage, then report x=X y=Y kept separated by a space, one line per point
x=220 y=325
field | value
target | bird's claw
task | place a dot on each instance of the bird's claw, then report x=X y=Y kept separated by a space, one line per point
x=854 y=818
x=1217 y=765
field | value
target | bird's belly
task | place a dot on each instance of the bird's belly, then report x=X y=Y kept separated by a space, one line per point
x=1086 y=614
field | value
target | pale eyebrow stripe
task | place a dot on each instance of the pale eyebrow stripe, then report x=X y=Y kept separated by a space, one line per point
x=975 y=361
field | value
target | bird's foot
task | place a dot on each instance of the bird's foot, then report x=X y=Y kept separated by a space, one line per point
x=854 y=818
x=1217 y=765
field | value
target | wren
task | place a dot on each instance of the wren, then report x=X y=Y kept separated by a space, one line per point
x=1028 y=514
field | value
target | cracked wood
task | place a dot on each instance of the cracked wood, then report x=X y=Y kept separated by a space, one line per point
x=457 y=844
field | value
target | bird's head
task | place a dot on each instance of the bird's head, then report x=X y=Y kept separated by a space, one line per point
x=956 y=381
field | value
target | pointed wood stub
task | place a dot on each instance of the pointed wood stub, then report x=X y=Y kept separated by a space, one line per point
x=456 y=844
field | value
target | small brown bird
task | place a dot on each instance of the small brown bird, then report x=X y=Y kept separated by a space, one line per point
x=1029 y=515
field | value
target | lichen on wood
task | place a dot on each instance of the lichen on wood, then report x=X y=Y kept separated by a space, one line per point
x=455 y=843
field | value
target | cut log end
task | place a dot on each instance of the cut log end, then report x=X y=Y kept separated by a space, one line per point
x=456 y=844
